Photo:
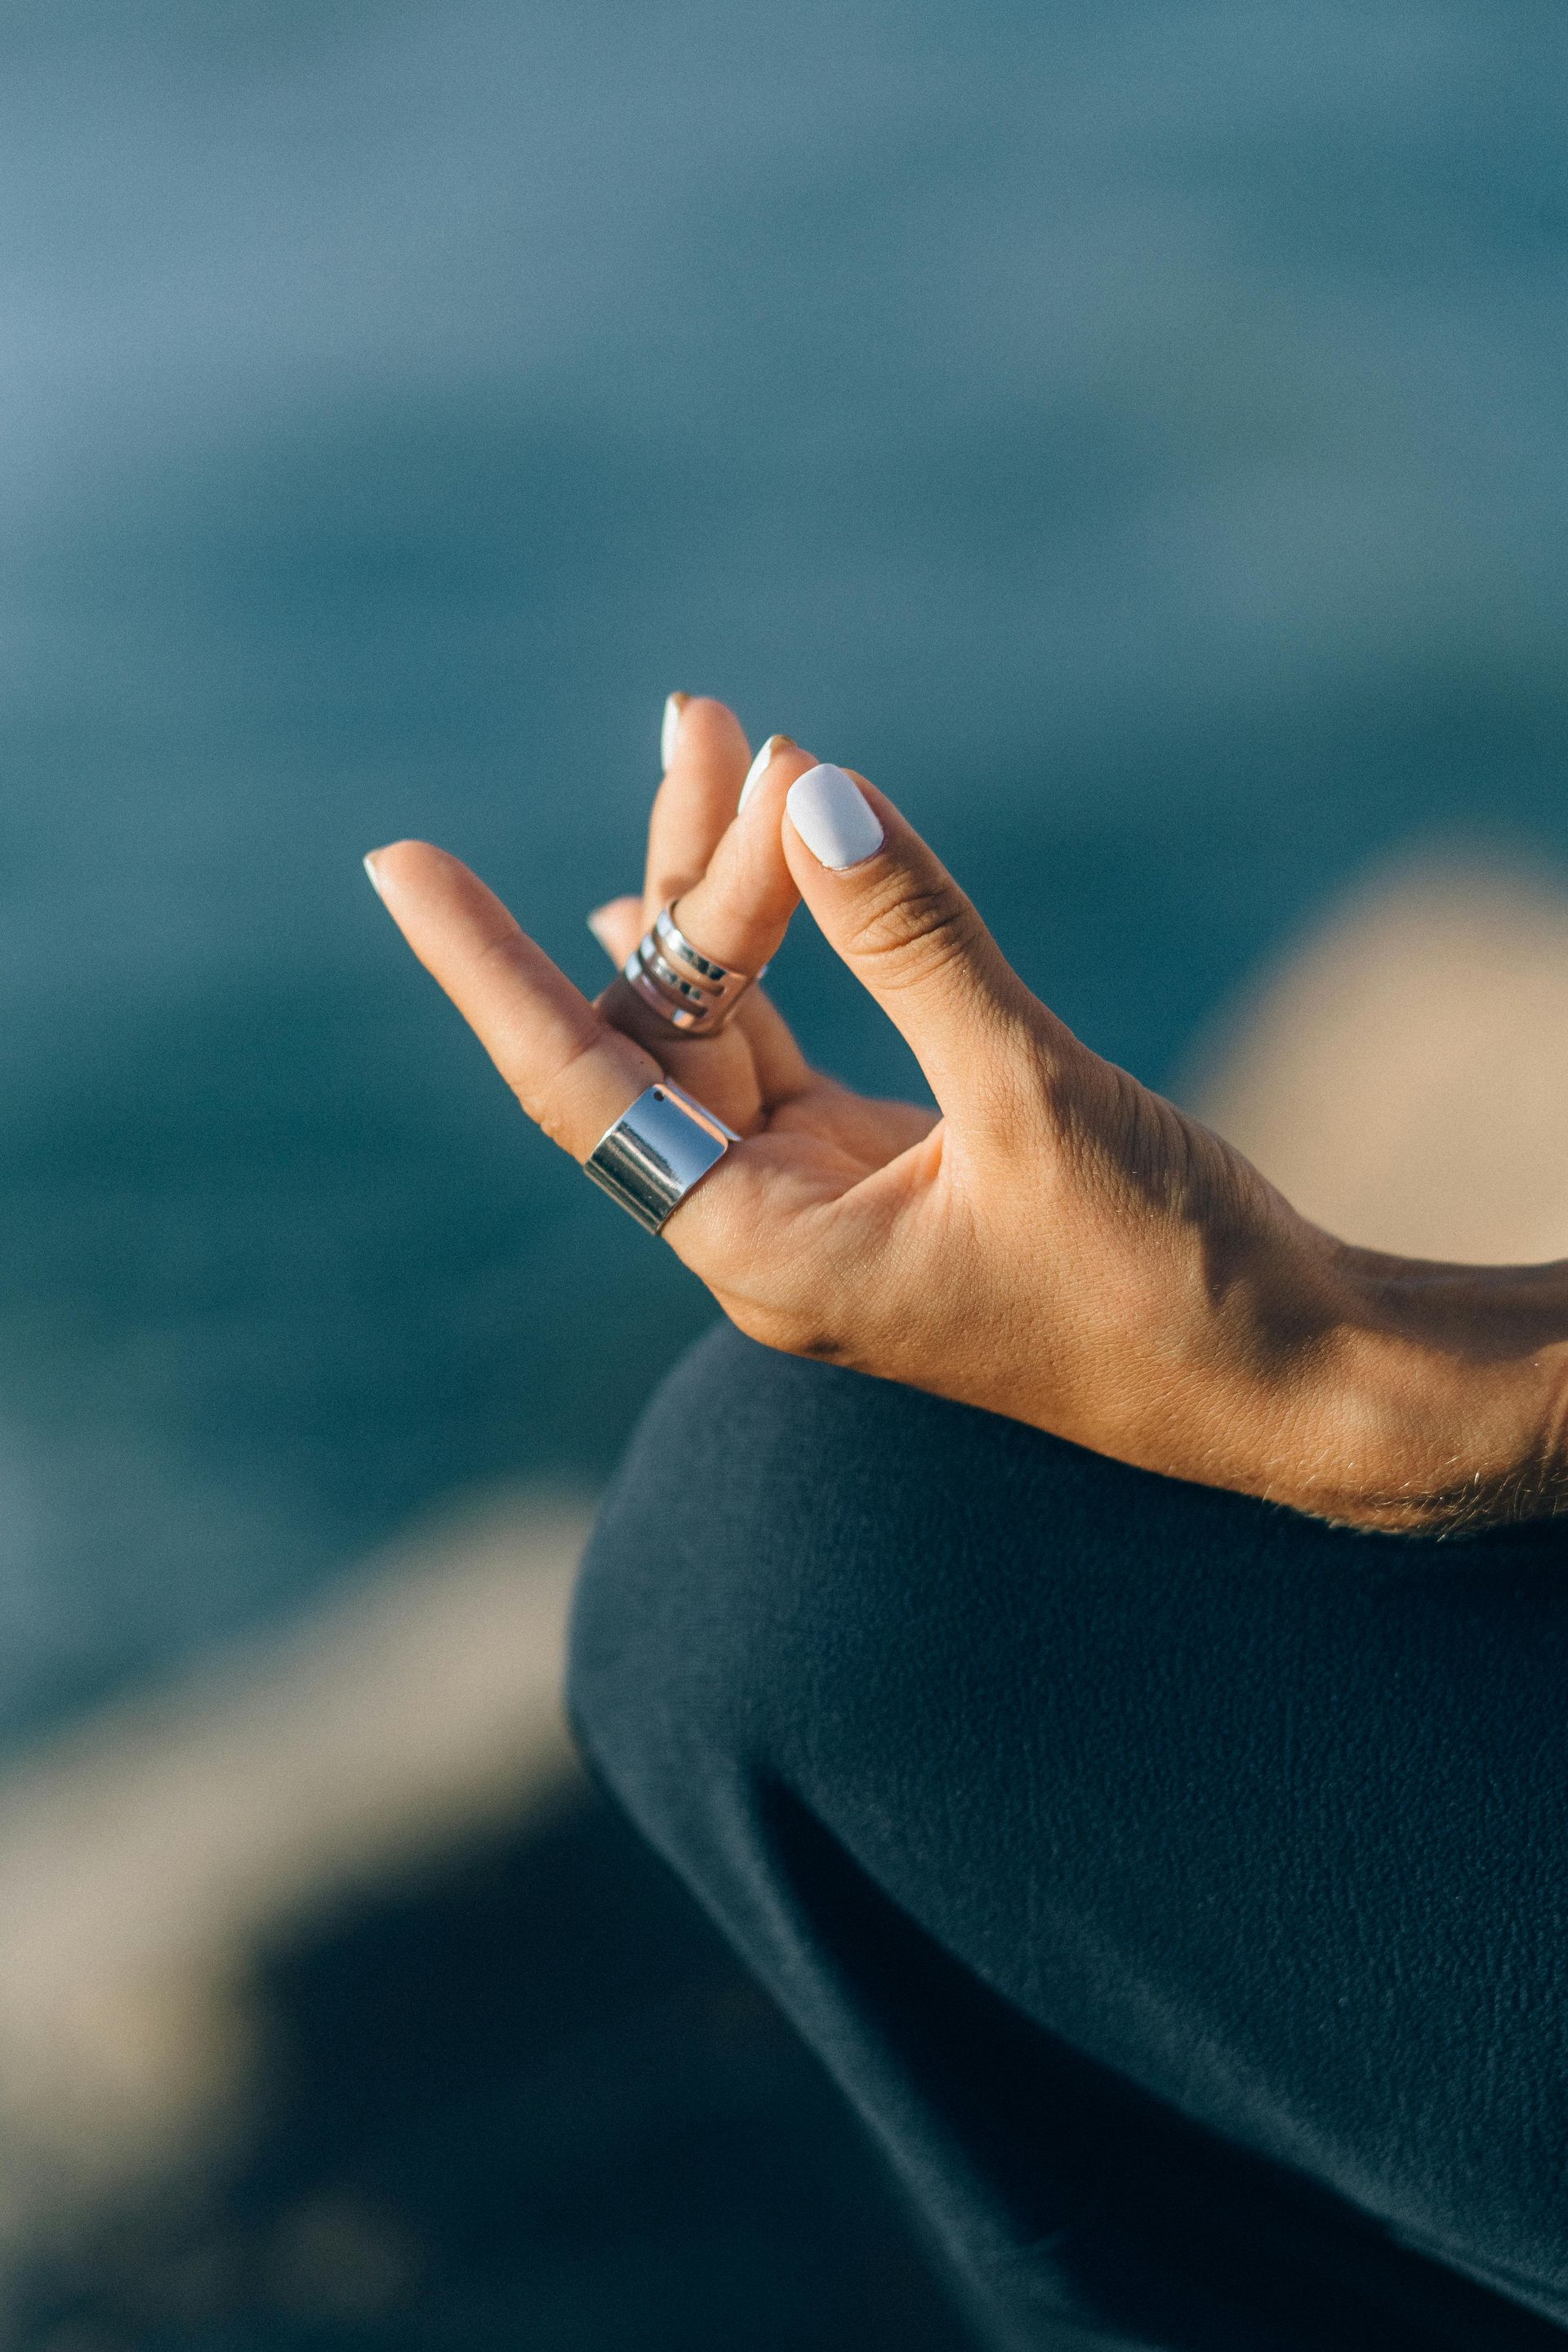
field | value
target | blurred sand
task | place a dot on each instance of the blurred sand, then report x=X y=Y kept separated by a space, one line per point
x=150 y=1855
x=1402 y=1076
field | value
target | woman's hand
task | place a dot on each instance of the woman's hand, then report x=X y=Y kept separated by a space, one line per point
x=1060 y=1244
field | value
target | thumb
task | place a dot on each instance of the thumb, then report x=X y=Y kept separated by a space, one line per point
x=889 y=908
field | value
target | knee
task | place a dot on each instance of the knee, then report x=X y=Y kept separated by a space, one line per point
x=790 y=1560
x=699 y=1615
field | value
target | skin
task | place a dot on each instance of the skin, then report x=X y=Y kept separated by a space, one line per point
x=1058 y=1243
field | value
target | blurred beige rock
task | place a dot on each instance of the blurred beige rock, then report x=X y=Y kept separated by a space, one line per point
x=151 y=1853
x=1402 y=1074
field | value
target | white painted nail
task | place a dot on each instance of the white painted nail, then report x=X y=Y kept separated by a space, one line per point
x=670 y=733
x=601 y=930
x=834 y=818
x=370 y=869
x=760 y=766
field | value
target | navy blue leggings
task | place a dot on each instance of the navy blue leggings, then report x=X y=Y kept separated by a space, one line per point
x=1175 y=1885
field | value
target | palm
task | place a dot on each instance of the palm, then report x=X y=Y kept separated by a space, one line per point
x=755 y=1077
x=829 y=1137
x=854 y=1133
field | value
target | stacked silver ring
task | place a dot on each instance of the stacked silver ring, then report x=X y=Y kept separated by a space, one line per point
x=685 y=988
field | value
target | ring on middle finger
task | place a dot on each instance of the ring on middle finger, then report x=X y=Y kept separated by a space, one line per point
x=693 y=993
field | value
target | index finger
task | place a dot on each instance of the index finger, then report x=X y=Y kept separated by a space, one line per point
x=569 y=1069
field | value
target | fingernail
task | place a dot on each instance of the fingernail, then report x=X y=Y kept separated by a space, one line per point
x=600 y=929
x=370 y=869
x=670 y=733
x=834 y=818
x=762 y=763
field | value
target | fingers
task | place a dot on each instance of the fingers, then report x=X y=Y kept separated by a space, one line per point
x=617 y=926
x=705 y=758
x=780 y=1067
x=910 y=935
x=738 y=909
x=570 y=1070
x=722 y=864
x=739 y=903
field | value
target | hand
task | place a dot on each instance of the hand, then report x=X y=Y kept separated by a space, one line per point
x=1059 y=1245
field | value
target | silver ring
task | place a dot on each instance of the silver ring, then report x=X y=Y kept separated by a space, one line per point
x=656 y=1151
x=687 y=989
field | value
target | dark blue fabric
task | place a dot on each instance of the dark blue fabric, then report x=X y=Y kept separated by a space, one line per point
x=1175 y=1884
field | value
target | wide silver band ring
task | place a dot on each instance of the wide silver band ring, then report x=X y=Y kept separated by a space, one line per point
x=655 y=1151
x=687 y=989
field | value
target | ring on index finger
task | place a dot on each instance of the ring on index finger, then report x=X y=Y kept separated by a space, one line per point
x=691 y=991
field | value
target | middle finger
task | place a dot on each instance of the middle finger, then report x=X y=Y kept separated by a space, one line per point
x=738 y=910
x=708 y=757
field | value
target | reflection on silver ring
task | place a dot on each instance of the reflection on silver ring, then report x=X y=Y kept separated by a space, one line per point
x=655 y=1151
x=687 y=989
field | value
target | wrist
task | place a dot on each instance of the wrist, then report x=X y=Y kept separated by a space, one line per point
x=1443 y=1397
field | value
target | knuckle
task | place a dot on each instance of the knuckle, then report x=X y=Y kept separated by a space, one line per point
x=912 y=934
x=542 y=1104
x=548 y=1102
x=546 y=1118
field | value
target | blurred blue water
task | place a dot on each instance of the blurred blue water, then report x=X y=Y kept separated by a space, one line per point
x=1132 y=433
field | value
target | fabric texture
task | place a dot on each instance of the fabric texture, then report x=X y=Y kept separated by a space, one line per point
x=1175 y=1884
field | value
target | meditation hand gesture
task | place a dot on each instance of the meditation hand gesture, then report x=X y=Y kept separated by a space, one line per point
x=1059 y=1245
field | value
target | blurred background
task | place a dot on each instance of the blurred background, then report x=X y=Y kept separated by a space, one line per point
x=1133 y=435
